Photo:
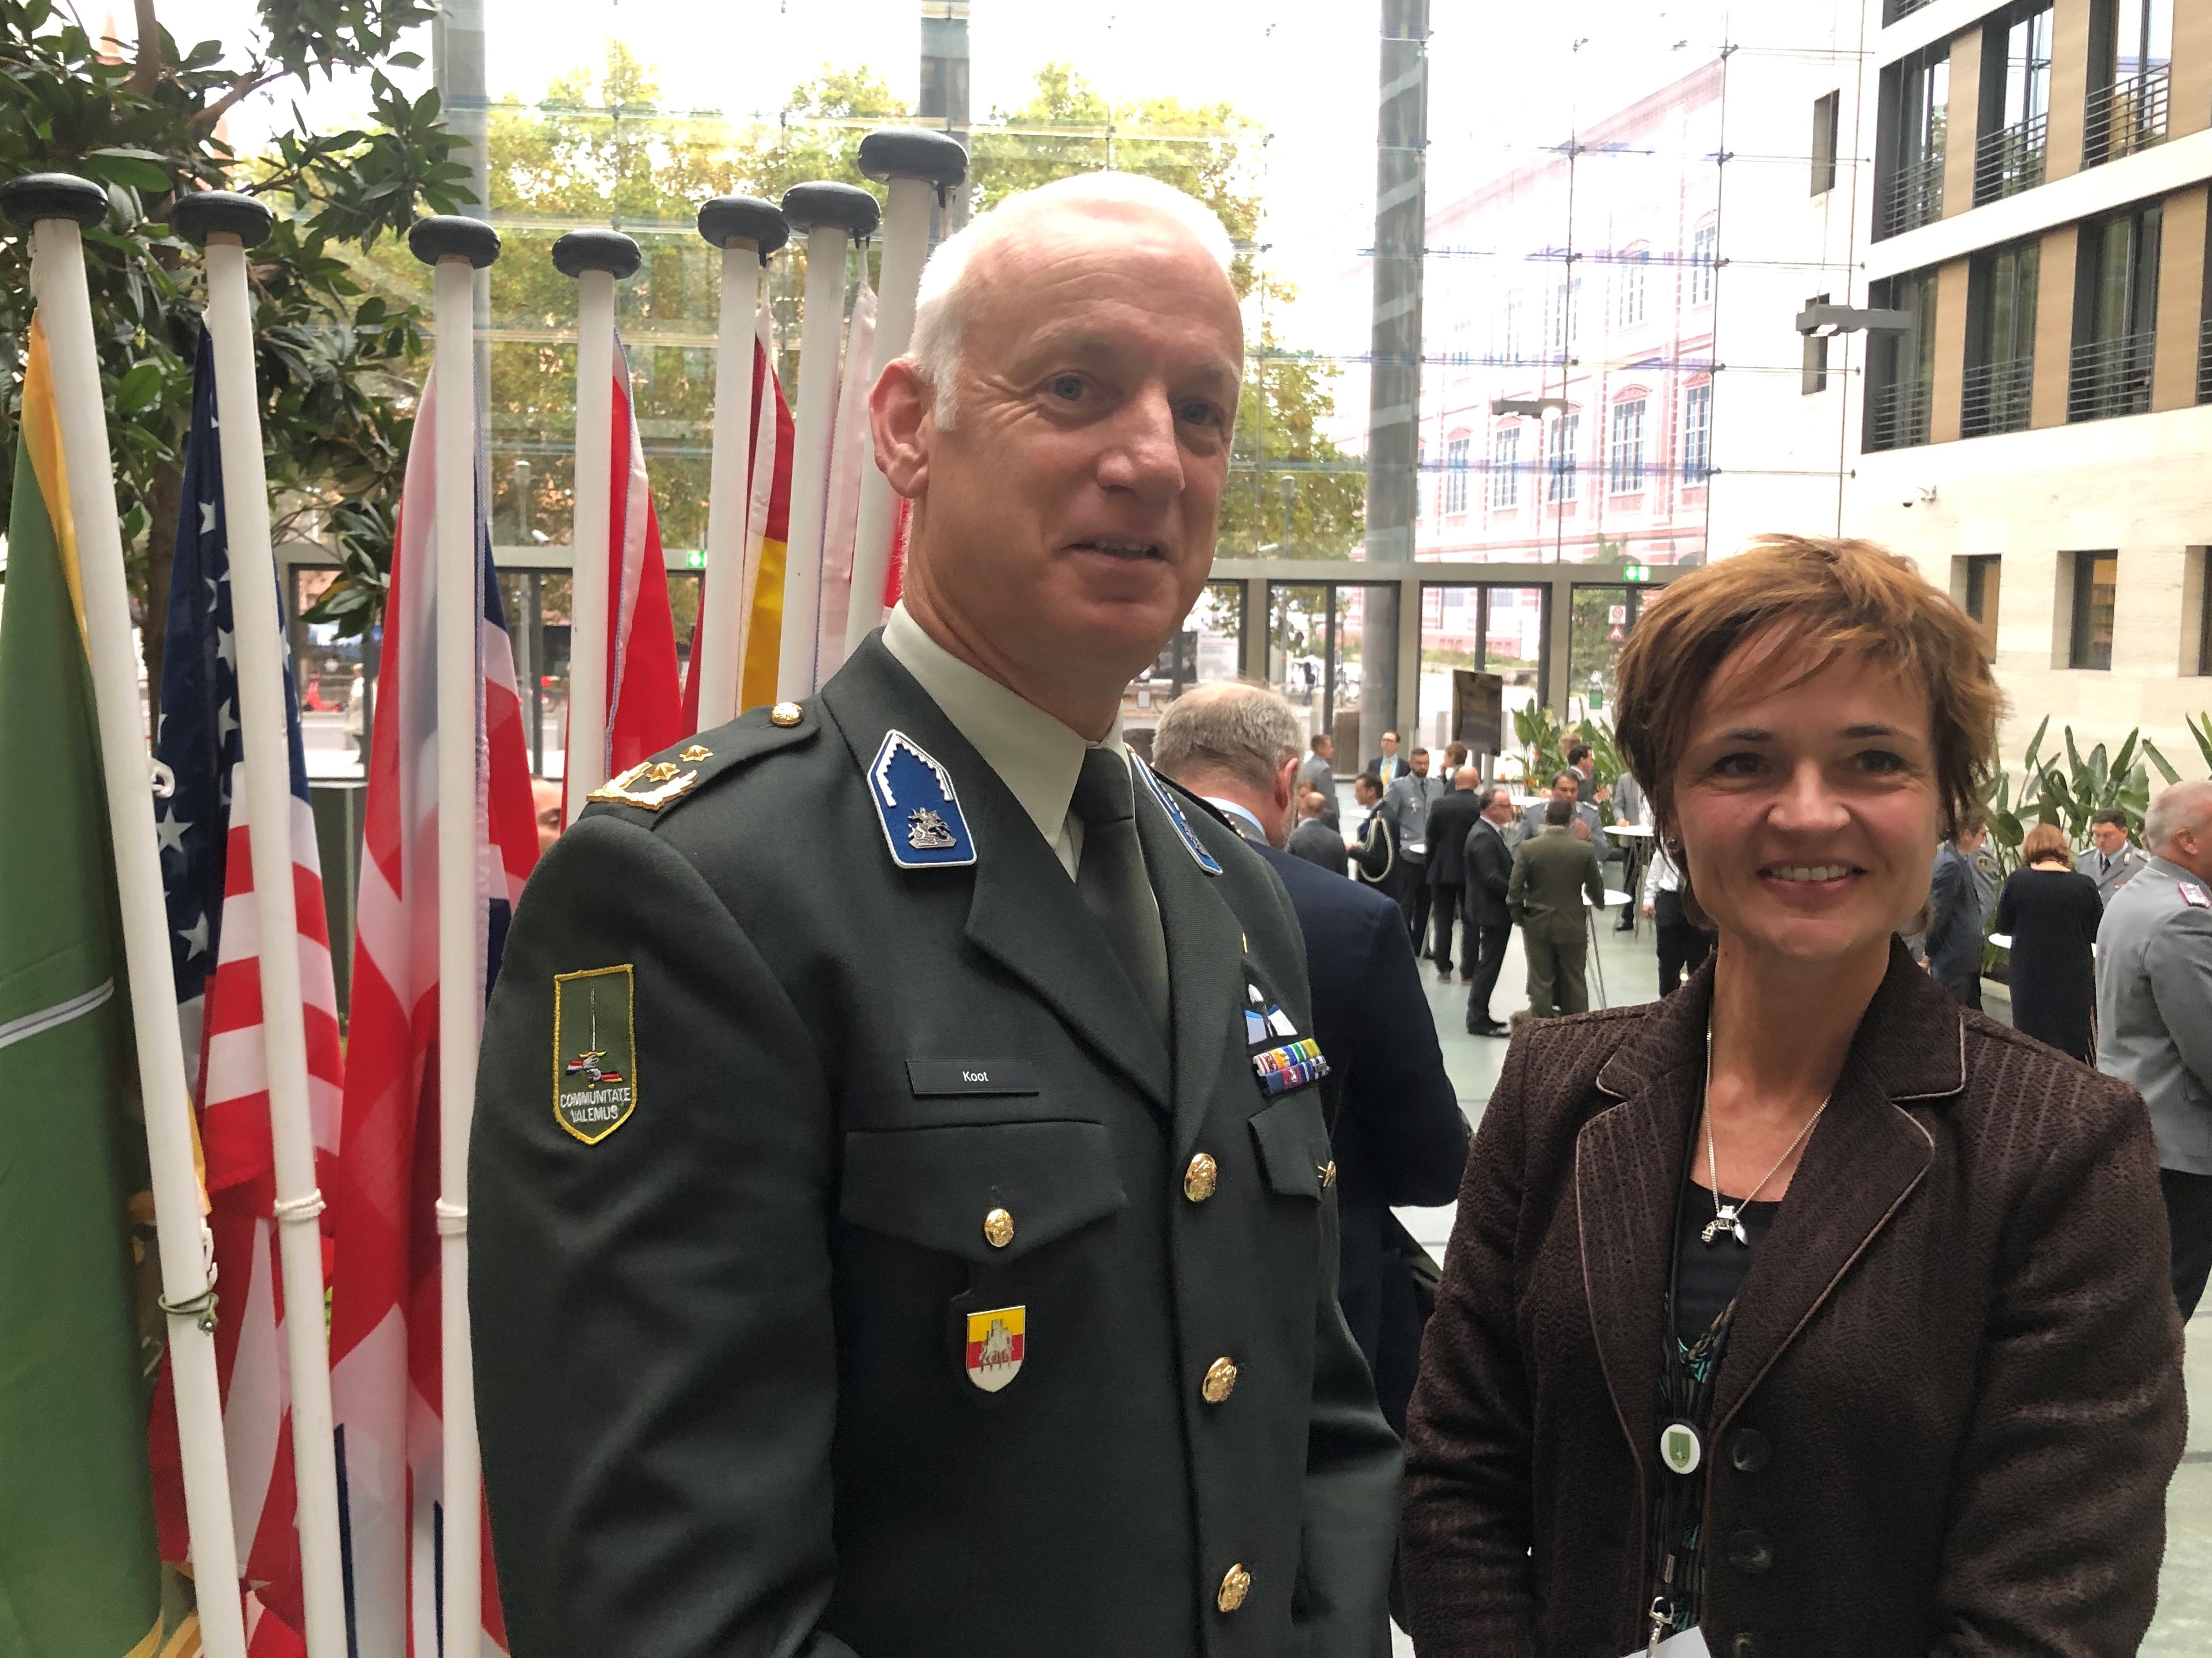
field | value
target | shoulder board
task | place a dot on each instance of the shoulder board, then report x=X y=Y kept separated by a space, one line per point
x=653 y=787
x=1191 y=844
x=2194 y=895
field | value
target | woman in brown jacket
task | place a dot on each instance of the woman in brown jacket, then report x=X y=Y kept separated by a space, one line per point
x=1803 y=1312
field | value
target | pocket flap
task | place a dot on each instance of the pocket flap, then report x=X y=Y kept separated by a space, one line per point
x=1293 y=1143
x=936 y=1186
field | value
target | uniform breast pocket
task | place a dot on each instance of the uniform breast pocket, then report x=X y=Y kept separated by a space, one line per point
x=1292 y=1143
x=987 y=1192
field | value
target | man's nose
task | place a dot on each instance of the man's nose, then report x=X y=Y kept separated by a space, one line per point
x=1144 y=454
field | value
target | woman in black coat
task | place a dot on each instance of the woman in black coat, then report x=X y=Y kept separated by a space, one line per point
x=2051 y=914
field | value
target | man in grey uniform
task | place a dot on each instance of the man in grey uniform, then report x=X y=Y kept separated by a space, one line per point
x=2154 y=1014
x=969 y=1286
x=2112 y=859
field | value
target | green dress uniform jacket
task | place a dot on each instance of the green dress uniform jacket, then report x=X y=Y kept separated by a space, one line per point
x=743 y=1359
x=1551 y=872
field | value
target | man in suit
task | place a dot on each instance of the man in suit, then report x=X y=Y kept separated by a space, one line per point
x=1584 y=825
x=1374 y=849
x=1390 y=765
x=2112 y=859
x=1319 y=774
x=1449 y=820
x=1489 y=865
x=2154 y=1015
x=976 y=1288
x=1396 y=1128
x=1406 y=803
x=1583 y=764
x=1551 y=871
x=1955 y=936
x=1314 y=840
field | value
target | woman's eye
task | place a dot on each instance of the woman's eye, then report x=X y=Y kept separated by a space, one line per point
x=1735 y=765
x=1882 y=760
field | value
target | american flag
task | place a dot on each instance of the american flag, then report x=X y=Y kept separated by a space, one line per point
x=208 y=873
x=385 y=1384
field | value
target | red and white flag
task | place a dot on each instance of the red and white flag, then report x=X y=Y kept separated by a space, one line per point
x=645 y=713
x=385 y=1384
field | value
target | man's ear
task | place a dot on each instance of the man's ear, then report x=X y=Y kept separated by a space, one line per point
x=900 y=420
x=1286 y=784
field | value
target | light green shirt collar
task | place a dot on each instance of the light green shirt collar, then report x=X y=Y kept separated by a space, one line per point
x=1036 y=757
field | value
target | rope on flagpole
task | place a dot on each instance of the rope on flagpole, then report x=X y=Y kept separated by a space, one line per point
x=831 y=216
x=225 y=225
x=54 y=206
x=597 y=259
x=919 y=168
x=747 y=230
x=456 y=249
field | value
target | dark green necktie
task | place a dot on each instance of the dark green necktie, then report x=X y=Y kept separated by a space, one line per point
x=1111 y=879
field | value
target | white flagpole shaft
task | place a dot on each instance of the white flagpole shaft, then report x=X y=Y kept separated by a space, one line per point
x=269 y=811
x=906 y=245
x=460 y=969
x=589 y=539
x=65 y=301
x=815 y=423
x=721 y=623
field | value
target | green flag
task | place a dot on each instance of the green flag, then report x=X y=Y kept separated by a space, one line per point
x=80 y=1572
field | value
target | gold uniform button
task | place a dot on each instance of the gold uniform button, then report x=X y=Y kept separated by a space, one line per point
x=1201 y=1178
x=1220 y=1382
x=998 y=1229
x=785 y=713
x=1235 y=1584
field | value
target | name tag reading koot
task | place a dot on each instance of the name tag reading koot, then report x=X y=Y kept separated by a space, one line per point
x=934 y=1077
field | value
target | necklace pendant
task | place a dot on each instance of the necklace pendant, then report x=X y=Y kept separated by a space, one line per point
x=1742 y=1237
x=1723 y=1221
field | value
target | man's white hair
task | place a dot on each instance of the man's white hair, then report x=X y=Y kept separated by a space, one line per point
x=942 y=306
x=2183 y=806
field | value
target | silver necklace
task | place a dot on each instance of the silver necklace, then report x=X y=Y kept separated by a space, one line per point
x=1728 y=1217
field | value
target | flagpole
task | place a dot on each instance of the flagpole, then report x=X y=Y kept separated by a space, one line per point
x=831 y=216
x=457 y=248
x=596 y=258
x=919 y=168
x=747 y=230
x=54 y=206
x=225 y=225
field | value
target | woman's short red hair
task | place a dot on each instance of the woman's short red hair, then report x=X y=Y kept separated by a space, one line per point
x=1814 y=599
x=2045 y=841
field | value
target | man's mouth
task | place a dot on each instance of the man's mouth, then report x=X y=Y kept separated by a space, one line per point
x=1113 y=548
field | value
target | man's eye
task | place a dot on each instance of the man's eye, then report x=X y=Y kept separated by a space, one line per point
x=1200 y=414
x=1068 y=387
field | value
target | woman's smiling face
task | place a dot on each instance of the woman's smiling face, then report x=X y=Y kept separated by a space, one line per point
x=1809 y=814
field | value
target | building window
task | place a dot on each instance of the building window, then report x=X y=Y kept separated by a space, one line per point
x=2129 y=68
x=1510 y=329
x=2015 y=112
x=1916 y=96
x=2201 y=556
x=1901 y=367
x=1625 y=458
x=1704 y=252
x=1566 y=307
x=1457 y=453
x=1825 y=108
x=2096 y=581
x=1812 y=373
x=1635 y=265
x=2000 y=373
x=1564 y=483
x=1985 y=576
x=1698 y=432
x=2115 y=315
x=1506 y=468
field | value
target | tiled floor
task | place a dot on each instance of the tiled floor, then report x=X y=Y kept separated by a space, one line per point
x=2184 y=1623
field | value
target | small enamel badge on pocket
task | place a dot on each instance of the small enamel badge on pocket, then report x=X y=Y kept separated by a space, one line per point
x=995 y=1342
x=594 y=1052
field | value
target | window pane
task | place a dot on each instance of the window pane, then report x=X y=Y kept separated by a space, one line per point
x=1207 y=647
x=2096 y=578
x=1597 y=631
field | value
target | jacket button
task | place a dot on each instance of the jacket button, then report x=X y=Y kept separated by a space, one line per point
x=1744 y=1644
x=1235 y=1584
x=998 y=1228
x=1328 y=1173
x=1220 y=1381
x=1750 y=1551
x=1750 y=1450
x=1200 y=1179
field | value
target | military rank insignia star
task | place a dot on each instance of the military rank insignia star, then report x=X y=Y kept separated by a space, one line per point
x=921 y=809
x=649 y=784
x=995 y=1344
x=594 y=1052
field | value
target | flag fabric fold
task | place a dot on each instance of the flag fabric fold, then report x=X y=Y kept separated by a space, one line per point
x=645 y=702
x=384 y=1299
x=852 y=455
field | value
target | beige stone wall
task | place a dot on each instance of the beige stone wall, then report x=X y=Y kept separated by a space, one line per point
x=2054 y=326
x=1960 y=126
x=2189 y=108
x=1950 y=352
x=2069 y=87
x=2180 y=300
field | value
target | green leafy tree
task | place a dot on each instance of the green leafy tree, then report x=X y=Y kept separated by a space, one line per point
x=333 y=359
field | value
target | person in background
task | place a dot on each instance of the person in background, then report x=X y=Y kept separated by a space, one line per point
x=1955 y=934
x=2051 y=913
x=546 y=795
x=1454 y=757
x=1318 y=773
x=1315 y=841
x=2112 y=859
x=1389 y=765
x=1374 y=847
x=1585 y=823
x=1395 y=1128
x=1583 y=764
x=1803 y=1309
x=1628 y=808
x=2154 y=1015
x=1552 y=872
x=1683 y=945
x=1489 y=866
x=1406 y=803
x=1449 y=821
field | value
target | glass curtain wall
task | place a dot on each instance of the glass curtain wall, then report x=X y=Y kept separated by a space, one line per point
x=2115 y=315
x=1916 y=96
x=1901 y=367
x=1481 y=628
x=2129 y=70
x=2000 y=370
x=1323 y=656
x=2009 y=156
x=1602 y=618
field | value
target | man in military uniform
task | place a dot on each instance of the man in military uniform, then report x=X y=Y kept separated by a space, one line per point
x=2154 y=1014
x=973 y=1290
x=1551 y=871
